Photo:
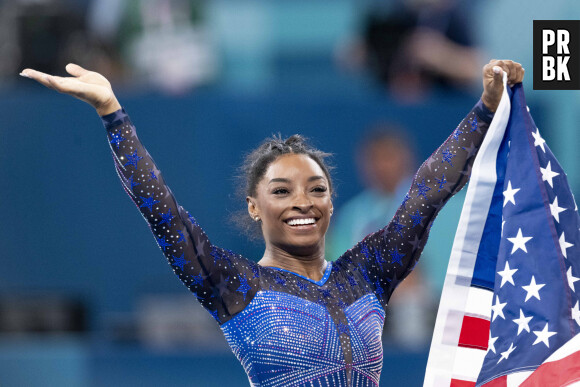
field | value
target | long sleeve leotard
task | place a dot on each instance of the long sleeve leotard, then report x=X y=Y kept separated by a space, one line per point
x=286 y=329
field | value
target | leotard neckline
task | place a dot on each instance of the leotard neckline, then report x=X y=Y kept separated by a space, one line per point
x=319 y=283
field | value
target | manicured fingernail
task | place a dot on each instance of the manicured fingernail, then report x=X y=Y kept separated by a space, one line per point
x=496 y=69
x=24 y=75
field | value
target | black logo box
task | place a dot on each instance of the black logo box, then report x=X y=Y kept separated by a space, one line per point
x=573 y=64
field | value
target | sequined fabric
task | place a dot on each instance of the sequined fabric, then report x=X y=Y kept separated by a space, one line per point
x=286 y=329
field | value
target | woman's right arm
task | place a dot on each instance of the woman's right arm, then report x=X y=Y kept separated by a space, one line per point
x=223 y=282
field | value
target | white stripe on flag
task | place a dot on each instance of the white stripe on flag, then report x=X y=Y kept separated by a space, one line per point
x=444 y=350
x=479 y=302
x=468 y=363
x=515 y=379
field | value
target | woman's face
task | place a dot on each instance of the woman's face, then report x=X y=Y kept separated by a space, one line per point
x=293 y=202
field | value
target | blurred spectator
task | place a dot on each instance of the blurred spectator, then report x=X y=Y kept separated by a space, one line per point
x=412 y=45
x=386 y=160
x=42 y=34
x=163 y=43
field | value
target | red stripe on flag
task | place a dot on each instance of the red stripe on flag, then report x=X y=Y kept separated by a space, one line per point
x=474 y=333
x=498 y=382
x=555 y=373
x=461 y=383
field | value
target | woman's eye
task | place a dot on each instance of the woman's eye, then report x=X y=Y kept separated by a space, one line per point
x=320 y=189
x=280 y=191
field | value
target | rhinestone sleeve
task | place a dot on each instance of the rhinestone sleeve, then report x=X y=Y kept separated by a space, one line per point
x=386 y=257
x=222 y=281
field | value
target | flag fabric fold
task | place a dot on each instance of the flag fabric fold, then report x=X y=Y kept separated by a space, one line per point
x=509 y=313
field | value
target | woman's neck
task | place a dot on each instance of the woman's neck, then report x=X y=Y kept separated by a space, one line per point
x=311 y=266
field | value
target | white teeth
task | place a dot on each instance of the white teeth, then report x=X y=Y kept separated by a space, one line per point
x=296 y=222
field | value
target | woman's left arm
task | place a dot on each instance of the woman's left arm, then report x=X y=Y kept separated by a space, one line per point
x=386 y=257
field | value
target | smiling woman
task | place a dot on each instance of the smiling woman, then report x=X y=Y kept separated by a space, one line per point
x=292 y=201
x=293 y=318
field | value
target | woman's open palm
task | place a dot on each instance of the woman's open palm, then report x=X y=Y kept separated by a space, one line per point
x=85 y=85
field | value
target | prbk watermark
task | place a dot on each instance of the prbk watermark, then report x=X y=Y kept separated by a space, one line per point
x=557 y=54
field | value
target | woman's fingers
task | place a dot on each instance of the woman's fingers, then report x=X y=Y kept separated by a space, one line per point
x=85 y=85
x=76 y=70
x=65 y=85
x=514 y=70
x=38 y=76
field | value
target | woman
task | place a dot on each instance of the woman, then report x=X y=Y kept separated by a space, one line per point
x=293 y=318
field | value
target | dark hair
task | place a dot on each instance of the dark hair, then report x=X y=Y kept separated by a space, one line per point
x=257 y=162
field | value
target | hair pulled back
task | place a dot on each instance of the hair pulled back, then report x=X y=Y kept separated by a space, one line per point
x=257 y=162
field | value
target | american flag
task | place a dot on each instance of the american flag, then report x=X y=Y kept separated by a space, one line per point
x=510 y=309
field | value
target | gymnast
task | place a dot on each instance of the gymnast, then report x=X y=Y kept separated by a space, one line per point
x=293 y=318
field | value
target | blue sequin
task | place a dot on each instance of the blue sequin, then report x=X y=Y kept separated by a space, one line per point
x=152 y=175
x=197 y=280
x=422 y=189
x=244 y=287
x=166 y=218
x=179 y=261
x=133 y=159
x=132 y=182
x=416 y=218
x=148 y=202
x=398 y=227
x=162 y=243
x=447 y=156
x=473 y=124
x=441 y=183
x=396 y=256
x=116 y=139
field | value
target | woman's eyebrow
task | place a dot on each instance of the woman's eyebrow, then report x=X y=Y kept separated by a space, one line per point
x=279 y=180
x=284 y=180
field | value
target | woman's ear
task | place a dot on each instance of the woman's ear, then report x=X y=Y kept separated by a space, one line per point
x=252 y=208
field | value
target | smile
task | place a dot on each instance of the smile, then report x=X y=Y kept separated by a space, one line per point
x=301 y=222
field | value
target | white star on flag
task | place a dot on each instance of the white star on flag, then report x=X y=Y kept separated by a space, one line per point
x=564 y=245
x=507 y=275
x=497 y=309
x=519 y=241
x=555 y=209
x=538 y=140
x=575 y=313
x=492 y=340
x=548 y=174
x=543 y=336
x=509 y=194
x=571 y=278
x=523 y=322
x=505 y=354
x=533 y=289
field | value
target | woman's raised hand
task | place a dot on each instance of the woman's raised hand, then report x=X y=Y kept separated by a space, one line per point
x=85 y=85
x=493 y=80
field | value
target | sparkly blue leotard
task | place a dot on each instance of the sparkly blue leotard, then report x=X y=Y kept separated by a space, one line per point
x=286 y=329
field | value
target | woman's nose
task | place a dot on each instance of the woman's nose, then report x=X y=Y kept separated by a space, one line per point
x=303 y=203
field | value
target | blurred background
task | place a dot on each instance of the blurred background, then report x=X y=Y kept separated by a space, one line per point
x=86 y=297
